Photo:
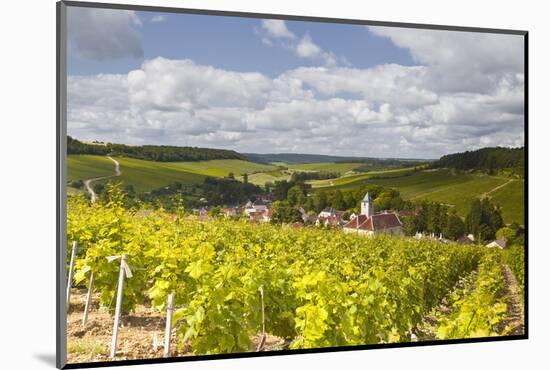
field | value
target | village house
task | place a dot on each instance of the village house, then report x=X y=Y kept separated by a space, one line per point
x=266 y=215
x=203 y=211
x=232 y=212
x=309 y=218
x=260 y=205
x=466 y=239
x=369 y=223
x=499 y=243
x=257 y=206
x=266 y=198
x=258 y=211
x=330 y=217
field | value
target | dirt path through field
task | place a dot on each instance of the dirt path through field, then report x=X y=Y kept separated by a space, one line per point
x=486 y=194
x=88 y=182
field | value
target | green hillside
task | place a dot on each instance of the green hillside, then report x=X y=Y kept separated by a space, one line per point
x=511 y=198
x=354 y=180
x=148 y=175
x=261 y=178
x=435 y=182
x=333 y=167
x=222 y=167
x=81 y=167
x=444 y=186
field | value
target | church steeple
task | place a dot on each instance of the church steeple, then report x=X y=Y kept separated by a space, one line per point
x=367 y=206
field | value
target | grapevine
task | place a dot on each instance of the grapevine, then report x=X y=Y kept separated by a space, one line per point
x=320 y=288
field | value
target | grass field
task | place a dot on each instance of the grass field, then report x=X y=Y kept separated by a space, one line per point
x=340 y=168
x=222 y=167
x=511 y=198
x=148 y=175
x=81 y=167
x=261 y=178
x=460 y=194
x=437 y=182
x=353 y=180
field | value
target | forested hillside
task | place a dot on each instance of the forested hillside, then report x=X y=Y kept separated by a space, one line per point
x=490 y=160
x=159 y=153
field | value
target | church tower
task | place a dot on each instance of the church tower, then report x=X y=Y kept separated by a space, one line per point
x=367 y=206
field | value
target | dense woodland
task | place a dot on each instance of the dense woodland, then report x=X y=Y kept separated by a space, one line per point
x=159 y=153
x=489 y=160
x=375 y=164
x=317 y=175
x=217 y=192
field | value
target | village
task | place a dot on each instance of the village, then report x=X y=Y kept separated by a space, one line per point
x=368 y=222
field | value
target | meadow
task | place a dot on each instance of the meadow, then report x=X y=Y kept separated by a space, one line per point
x=340 y=168
x=149 y=175
x=354 y=179
x=511 y=198
x=82 y=167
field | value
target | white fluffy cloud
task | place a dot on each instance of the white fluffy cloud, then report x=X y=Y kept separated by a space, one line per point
x=275 y=32
x=306 y=48
x=460 y=61
x=103 y=34
x=391 y=83
x=277 y=28
x=387 y=110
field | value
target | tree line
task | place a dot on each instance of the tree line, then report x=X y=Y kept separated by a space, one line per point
x=298 y=194
x=158 y=153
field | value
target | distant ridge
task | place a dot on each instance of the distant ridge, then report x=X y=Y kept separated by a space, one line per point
x=297 y=158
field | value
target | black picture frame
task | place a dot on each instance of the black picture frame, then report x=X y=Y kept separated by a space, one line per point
x=61 y=164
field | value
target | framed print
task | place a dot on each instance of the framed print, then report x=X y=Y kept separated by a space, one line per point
x=236 y=184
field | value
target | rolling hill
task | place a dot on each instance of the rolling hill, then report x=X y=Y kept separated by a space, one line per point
x=148 y=175
x=455 y=189
x=81 y=167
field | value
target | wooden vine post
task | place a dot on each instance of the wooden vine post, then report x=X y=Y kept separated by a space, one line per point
x=71 y=271
x=263 y=338
x=88 y=299
x=124 y=270
x=168 y=331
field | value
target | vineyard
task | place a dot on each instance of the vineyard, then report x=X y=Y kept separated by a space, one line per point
x=235 y=283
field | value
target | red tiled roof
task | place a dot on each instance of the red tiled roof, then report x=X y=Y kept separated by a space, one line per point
x=384 y=221
x=464 y=240
x=353 y=224
x=380 y=221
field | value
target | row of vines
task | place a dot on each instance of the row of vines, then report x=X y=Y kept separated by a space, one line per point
x=320 y=288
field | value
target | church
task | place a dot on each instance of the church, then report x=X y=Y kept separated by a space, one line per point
x=370 y=223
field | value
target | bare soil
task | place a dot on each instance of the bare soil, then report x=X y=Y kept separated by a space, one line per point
x=515 y=323
x=141 y=334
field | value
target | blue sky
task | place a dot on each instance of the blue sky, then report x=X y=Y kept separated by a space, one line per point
x=233 y=43
x=274 y=86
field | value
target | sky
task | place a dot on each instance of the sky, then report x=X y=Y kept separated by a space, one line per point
x=273 y=86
